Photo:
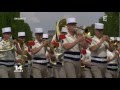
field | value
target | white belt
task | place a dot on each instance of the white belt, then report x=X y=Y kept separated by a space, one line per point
x=113 y=67
x=40 y=61
x=7 y=63
x=99 y=59
x=73 y=56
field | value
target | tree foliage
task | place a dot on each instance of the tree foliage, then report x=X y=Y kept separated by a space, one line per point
x=7 y=20
x=112 y=24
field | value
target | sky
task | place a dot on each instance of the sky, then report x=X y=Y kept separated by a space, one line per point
x=47 y=20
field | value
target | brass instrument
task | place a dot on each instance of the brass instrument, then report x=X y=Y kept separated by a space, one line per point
x=81 y=31
x=6 y=46
x=49 y=48
x=23 y=55
x=59 y=24
x=113 y=44
x=55 y=50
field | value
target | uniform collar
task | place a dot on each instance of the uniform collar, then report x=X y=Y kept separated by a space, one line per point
x=4 y=40
x=69 y=35
x=96 y=37
x=36 y=41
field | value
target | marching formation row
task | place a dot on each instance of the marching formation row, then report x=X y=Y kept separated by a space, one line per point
x=72 y=54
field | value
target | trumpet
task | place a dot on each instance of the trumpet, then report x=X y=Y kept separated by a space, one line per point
x=113 y=44
x=81 y=31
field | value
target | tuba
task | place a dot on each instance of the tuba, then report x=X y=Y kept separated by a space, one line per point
x=59 y=24
x=57 y=52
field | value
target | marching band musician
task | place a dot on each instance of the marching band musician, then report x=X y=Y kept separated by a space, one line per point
x=85 y=54
x=49 y=65
x=59 y=70
x=86 y=60
x=72 y=50
x=119 y=58
x=29 y=45
x=112 y=65
x=7 y=55
x=0 y=38
x=118 y=41
x=20 y=56
x=49 y=56
x=39 y=62
x=118 y=51
x=98 y=50
x=61 y=37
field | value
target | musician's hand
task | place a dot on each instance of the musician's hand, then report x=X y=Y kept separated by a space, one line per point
x=80 y=38
x=116 y=54
x=15 y=42
x=105 y=38
x=18 y=61
x=45 y=43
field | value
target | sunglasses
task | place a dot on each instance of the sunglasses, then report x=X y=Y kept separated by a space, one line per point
x=45 y=38
x=8 y=33
x=22 y=37
x=72 y=23
x=39 y=34
x=100 y=30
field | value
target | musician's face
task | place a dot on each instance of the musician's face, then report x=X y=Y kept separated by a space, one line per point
x=21 y=39
x=119 y=50
x=71 y=26
x=39 y=36
x=84 y=44
x=78 y=35
x=7 y=35
x=64 y=33
x=99 y=33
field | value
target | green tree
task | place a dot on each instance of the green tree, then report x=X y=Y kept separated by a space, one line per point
x=112 y=24
x=7 y=20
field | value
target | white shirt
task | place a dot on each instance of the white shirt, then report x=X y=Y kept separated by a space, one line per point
x=7 y=55
x=87 y=56
x=41 y=53
x=102 y=50
x=18 y=56
x=110 y=55
x=69 y=39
